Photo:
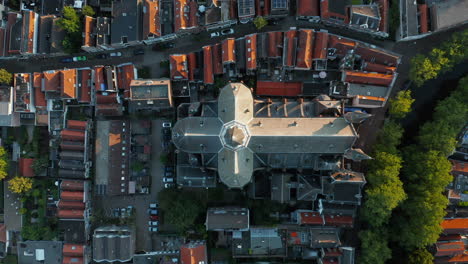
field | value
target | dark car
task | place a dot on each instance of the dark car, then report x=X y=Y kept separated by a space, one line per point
x=102 y=56
x=139 y=52
x=66 y=60
x=166 y=134
x=169 y=169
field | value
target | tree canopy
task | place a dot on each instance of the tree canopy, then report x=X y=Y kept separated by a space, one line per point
x=3 y=163
x=88 y=11
x=20 y=185
x=70 y=22
x=421 y=256
x=401 y=104
x=5 y=77
x=260 y=22
x=374 y=246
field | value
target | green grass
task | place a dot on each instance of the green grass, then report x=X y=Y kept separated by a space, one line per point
x=10 y=259
x=356 y=2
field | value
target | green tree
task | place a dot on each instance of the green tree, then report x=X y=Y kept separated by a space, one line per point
x=5 y=77
x=20 y=184
x=88 y=11
x=4 y=163
x=389 y=138
x=421 y=256
x=260 y=22
x=374 y=247
x=422 y=69
x=70 y=22
x=40 y=165
x=401 y=104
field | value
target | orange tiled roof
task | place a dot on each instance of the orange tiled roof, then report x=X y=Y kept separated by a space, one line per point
x=341 y=44
x=380 y=68
x=98 y=77
x=25 y=168
x=229 y=51
x=251 y=51
x=207 y=65
x=85 y=91
x=459 y=166
x=76 y=124
x=192 y=65
x=368 y=78
x=338 y=220
x=110 y=98
x=217 y=58
x=151 y=19
x=193 y=18
x=290 y=46
x=89 y=25
x=320 y=45
x=383 y=9
x=125 y=75
x=422 y=8
x=70 y=214
x=304 y=49
x=68 y=83
x=69 y=185
x=178 y=65
x=51 y=80
x=72 y=135
x=279 y=88
x=73 y=250
x=193 y=254
x=29 y=35
x=455 y=224
x=449 y=248
x=275 y=42
x=308 y=7
x=311 y=218
x=181 y=19
x=70 y=205
x=72 y=196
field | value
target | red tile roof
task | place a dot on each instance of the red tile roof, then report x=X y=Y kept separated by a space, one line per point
x=339 y=220
x=70 y=214
x=207 y=65
x=330 y=261
x=85 y=89
x=368 y=78
x=193 y=18
x=377 y=56
x=72 y=135
x=110 y=98
x=193 y=254
x=76 y=124
x=461 y=258
x=109 y=110
x=39 y=96
x=320 y=45
x=73 y=250
x=251 y=51
x=229 y=51
x=342 y=45
x=178 y=66
x=25 y=168
x=279 y=88
x=3 y=44
x=71 y=145
x=449 y=248
x=422 y=8
x=89 y=25
x=333 y=252
x=72 y=260
x=72 y=196
x=181 y=15
x=459 y=166
x=3 y=237
x=51 y=80
x=275 y=43
x=29 y=38
x=70 y=205
x=68 y=83
x=70 y=185
x=258 y=8
x=192 y=65
x=383 y=8
x=99 y=78
x=151 y=19
x=374 y=67
x=311 y=218
x=304 y=49
x=453 y=237
x=324 y=9
x=290 y=46
x=455 y=226
x=125 y=75
x=308 y=7
x=217 y=55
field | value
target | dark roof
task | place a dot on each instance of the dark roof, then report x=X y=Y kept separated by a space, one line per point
x=51 y=7
x=113 y=243
x=45 y=33
x=73 y=231
x=227 y=218
x=125 y=22
x=30 y=252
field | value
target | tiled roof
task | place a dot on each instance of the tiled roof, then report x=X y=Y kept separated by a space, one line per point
x=339 y=220
x=304 y=49
x=25 y=168
x=251 y=51
x=380 y=68
x=459 y=166
x=193 y=18
x=377 y=56
x=324 y=9
x=89 y=25
x=51 y=80
x=228 y=47
x=454 y=237
x=109 y=110
x=99 y=78
x=70 y=205
x=422 y=8
x=73 y=250
x=193 y=254
x=279 y=88
x=320 y=45
x=72 y=135
x=383 y=9
x=368 y=78
x=85 y=89
x=311 y=218
x=70 y=214
x=178 y=65
x=70 y=185
x=275 y=43
x=455 y=226
x=68 y=83
x=72 y=196
x=458 y=259
x=27 y=39
x=71 y=145
x=3 y=237
x=308 y=7
x=217 y=58
x=192 y=65
x=109 y=98
x=151 y=19
x=342 y=45
x=125 y=75
x=333 y=252
x=449 y=248
x=181 y=15
x=290 y=46
x=207 y=66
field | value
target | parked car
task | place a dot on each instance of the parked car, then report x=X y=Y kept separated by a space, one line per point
x=214 y=34
x=166 y=124
x=153 y=229
x=168 y=174
x=154 y=217
x=154 y=205
x=169 y=185
x=165 y=179
x=168 y=169
x=153 y=223
x=79 y=58
x=102 y=56
x=66 y=60
x=139 y=52
x=153 y=212
x=227 y=31
x=166 y=134
x=116 y=54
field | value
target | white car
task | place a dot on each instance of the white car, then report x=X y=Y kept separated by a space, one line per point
x=153 y=223
x=153 y=229
x=116 y=54
x=228 y=31
x=168 y=180
x=154 y=205
x=215 y=34
x=166 y=124
x=169 y=185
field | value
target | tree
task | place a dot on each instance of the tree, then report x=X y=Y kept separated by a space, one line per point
x=5 y=77
x=88 y=11
x=374 y=247
x=389 y=138
x=401 y=104
x=4 y=163
x=40 y=165
x=422 y=69
x=260 y=22
x=20 y=184
x=70 y=22
x=421 y=256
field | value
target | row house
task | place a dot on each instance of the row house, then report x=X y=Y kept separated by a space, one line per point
x=96 y=34
x=450 y=247
x=75 y=152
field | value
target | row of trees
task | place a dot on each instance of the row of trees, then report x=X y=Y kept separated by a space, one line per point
x=439 y=60
x=426 y=174
x=384 y=190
